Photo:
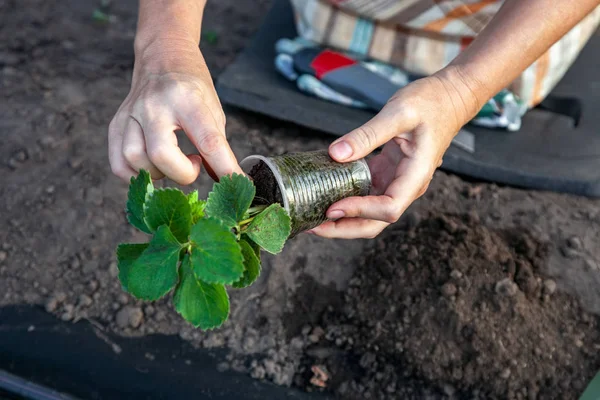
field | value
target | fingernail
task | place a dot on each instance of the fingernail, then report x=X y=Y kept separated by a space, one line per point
x=335 y=215
x=341 y=151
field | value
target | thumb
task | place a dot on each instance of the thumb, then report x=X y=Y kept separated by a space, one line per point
x=391 y=121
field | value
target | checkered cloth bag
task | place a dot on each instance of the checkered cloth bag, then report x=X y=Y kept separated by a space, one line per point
x=423 y=36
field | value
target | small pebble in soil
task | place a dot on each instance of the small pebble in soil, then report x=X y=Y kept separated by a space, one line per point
x=413 y=254
x=297 y=343
x=129 y=317
x=258 y=372
x=3 y=255
x=456 y=274
x=549 y=286
x=591 y=264
x=149 y=356
x=75 y=263
x=569 y=252
x=54 y=301
x=507 y=287
x=75 y=161
x=160 y=316
x=249 y=344
x=85 y=300
x=93 y=286
x=574 y=243
x=505 y=374
x=21 y=155
x=113 y=269
x=123 y=298
x=68 y=312
x=51 y=304
x=448 y=289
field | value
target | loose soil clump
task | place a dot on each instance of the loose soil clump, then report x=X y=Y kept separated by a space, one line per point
x=63 y=77
x=267 y=189
x=461 y=309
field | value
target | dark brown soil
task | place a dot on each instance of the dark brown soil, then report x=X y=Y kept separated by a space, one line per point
x=267 y=189
x=457 y=308
x=63 y=76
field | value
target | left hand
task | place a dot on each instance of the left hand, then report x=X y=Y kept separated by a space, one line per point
x=416 y=127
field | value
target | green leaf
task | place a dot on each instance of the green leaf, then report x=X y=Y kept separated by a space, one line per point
x=150 y=273
x=196 y=205
x=254 y=246
x=230 y=199
x=127 y=254
x=169 y=207
x=139 y=188
x=204 y=305
x=270 y=229
x=251 y=266
x=216 y=255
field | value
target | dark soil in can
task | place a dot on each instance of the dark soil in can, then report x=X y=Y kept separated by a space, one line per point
x=267 y=189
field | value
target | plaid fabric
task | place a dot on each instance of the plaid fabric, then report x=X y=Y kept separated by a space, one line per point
x=423 y=36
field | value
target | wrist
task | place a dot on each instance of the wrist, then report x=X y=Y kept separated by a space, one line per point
x=166 y=54
x=469 y=91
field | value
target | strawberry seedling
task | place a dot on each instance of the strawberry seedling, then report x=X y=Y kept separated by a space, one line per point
x=198 y=247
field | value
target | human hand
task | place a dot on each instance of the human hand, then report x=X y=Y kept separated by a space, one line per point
x=416 y=127
x=171 y=89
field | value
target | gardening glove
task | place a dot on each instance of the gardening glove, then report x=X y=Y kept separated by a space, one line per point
x=170 y=93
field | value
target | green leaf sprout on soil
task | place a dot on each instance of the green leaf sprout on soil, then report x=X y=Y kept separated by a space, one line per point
x=198 y=247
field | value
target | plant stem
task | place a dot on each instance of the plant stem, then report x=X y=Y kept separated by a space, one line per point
x=246 y=221
x=256 y=209
x=252 y=212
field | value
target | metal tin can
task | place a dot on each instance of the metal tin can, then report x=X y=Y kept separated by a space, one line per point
x=310 y=182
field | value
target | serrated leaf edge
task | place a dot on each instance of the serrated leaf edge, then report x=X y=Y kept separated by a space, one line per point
x=177 y=266
x=213 y=193
x=259 y=267
x=226 y=296
x=150 y=194
x=195 y=247
x=289 y=230
x=131 y=217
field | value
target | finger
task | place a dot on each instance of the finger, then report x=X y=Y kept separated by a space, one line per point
x=118 y=164
x=134 y=149
x=211 y=99
x=380 y=208
x=388 y=123
x=412 y=177
x=165 y=154
x=350 y=228
x=203 y=131
x=210 y=171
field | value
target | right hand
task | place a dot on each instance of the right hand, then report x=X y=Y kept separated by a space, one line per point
x=171 y=89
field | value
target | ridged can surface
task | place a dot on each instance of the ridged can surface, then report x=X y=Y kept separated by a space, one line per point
x=310 y=182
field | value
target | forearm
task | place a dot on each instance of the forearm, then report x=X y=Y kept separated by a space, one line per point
x=519 y=34
x=167 y=30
